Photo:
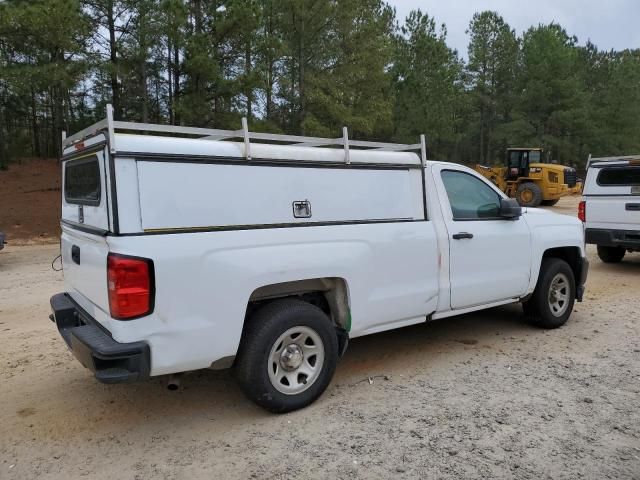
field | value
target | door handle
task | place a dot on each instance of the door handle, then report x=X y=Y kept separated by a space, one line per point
x=461 y=235
x=632 y=206
x=75 y=254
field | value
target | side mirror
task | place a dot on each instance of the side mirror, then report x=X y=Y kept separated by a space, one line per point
x=510 y=209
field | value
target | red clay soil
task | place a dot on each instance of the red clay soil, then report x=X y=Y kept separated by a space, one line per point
x=30 y=202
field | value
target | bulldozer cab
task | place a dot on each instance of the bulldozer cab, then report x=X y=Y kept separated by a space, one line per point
x=519 y=159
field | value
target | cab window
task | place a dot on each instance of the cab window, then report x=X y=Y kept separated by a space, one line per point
x=470 y=197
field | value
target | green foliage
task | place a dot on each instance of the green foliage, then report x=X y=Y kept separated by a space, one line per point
x=492 y=67
x=351 y=87
x=42 y=43
x=311 y=67
x=552 y=107
x=428 y=85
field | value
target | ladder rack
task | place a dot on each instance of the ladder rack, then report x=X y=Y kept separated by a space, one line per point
x=110 y=126
x=620 y=158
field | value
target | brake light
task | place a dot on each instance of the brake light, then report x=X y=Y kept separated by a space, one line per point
x=582 y=211
x=130 y=281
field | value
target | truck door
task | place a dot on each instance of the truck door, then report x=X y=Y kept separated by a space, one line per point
x=489 y=256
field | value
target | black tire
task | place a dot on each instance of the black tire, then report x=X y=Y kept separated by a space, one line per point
x=263 y=329
x=538 y=308
x=534 y=192
x=549 y=203
x=611 y=254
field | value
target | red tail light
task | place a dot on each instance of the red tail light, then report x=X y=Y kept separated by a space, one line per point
x=131 y=286
x=582 y=211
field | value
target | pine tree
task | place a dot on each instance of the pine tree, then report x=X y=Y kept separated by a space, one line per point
x=551 y=110
x=43 y=46
x=493 y=55
x=428 y=80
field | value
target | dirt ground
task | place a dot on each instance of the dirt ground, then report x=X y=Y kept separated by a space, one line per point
x=30 y=202
x=479 y=396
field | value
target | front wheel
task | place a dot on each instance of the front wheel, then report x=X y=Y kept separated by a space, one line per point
x=554 y=295
x=287 y=356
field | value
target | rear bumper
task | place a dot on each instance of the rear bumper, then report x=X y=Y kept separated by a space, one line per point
x=613 y=238
x=110 y=361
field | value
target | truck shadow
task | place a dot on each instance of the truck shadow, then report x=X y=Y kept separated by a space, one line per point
x=629 y=264
x=213 y=397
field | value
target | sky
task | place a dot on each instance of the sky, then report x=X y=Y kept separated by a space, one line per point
x=609 y=24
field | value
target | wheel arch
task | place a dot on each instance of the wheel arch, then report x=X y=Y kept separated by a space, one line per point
x=330 y=294
x=571 y=255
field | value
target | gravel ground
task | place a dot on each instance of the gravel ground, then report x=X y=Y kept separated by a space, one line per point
x=478 y=396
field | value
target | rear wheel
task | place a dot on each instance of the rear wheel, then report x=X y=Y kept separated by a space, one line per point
x=554 y=295
x=611 y=254
x=550 y=203
x=529 y=194
x=288 y=355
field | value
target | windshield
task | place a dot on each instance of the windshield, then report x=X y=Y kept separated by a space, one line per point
x=535 y=156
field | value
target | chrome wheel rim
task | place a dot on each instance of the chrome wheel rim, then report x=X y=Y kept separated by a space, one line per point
x=296 y=360
x=559 y=295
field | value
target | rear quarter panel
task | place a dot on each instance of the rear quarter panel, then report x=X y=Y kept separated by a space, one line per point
x=204 y=281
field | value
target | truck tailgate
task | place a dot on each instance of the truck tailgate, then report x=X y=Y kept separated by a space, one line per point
x=84 y=257
x=613 y=212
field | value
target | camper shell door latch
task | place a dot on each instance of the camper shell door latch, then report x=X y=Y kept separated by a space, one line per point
x=302 y=209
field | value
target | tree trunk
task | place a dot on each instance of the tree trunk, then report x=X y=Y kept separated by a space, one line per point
x=270 y=65
x=482 y=156
x=301 y=84
x=57 y=106
x=170 y=105
x=113 y=56
x=176 y=83
x=35 y=131
x=269 y=89
x=247 y=72
x=144 y=92
x=57 y=120
x=4 y=160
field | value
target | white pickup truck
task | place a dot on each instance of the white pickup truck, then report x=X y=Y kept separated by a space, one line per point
x=184 y=250
x=610 y=207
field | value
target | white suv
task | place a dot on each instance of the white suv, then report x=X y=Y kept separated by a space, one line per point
x=611 y=206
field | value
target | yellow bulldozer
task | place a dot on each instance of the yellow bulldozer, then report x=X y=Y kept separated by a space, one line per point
x=531 y=179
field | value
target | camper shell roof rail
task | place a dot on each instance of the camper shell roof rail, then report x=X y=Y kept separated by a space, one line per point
x=109 y=126
x=619 y=158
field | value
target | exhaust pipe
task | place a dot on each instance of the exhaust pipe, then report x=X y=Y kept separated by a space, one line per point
x=174 y=382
